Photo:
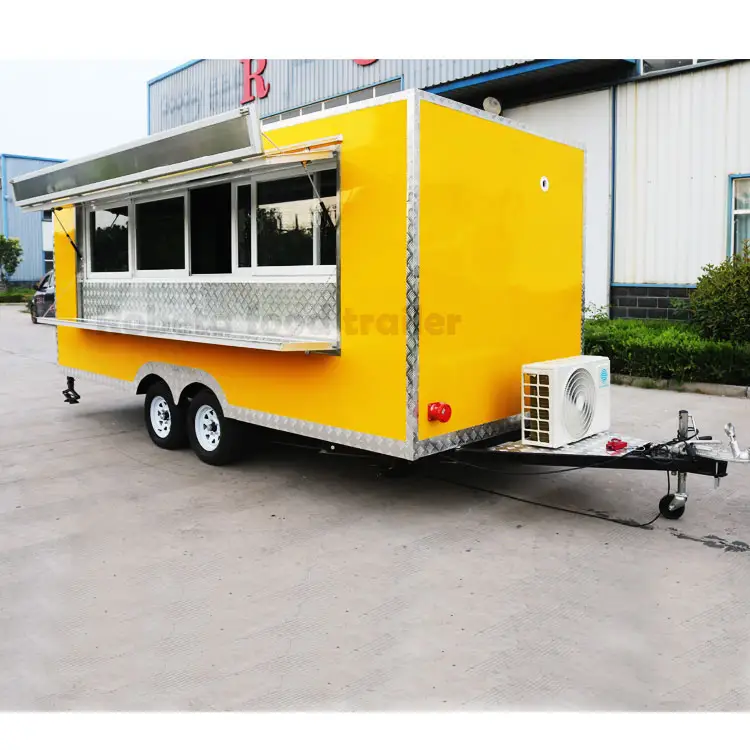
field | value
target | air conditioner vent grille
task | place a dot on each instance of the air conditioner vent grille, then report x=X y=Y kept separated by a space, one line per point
x=579 y=401
x=536 y=406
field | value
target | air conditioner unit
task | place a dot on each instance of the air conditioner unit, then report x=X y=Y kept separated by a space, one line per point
x=565 y=400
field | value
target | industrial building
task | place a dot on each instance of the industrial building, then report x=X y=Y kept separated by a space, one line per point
x=34 y=230
x=668 y=166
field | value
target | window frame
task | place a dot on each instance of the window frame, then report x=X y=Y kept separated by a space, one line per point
x=282 y=273
x=188 y=247
x=299 y=274
x=694 y=62
x=734 y=212
x=92 y=208
x=166 y=273
x=325 y=104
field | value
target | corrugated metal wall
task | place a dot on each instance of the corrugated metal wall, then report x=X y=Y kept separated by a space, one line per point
x=27 y=227
x=213 y=86
x=584 y=120
x=678 y=140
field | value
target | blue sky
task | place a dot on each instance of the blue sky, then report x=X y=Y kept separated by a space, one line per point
x=72 y=108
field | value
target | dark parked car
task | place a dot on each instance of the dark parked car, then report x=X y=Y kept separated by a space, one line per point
x=42 y=304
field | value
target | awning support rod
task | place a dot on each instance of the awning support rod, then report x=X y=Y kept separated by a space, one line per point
x=70 y=239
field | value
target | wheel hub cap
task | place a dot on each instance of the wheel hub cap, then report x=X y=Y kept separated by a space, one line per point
x=207 y=428
x=161 y=416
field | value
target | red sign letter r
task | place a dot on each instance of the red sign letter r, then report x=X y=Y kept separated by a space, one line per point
x=249 y=77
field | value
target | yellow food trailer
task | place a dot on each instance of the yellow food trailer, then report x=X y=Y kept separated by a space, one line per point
x=376 y=275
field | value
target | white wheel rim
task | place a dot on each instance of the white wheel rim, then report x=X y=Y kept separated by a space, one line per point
x=161 y=416
x=207 y=427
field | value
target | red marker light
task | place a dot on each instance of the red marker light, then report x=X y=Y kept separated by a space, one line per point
x=438 y=412
x=615 y=444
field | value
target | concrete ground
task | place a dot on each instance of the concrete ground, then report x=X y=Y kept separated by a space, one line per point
x=134 y=578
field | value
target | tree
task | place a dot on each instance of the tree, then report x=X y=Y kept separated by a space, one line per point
x=10 y=256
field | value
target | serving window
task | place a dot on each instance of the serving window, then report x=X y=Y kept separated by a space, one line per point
x=160 y=235
x=108 y=241
x=283 y=224
x=289 y=224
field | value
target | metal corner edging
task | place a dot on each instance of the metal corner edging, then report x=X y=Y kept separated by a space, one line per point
x=412 y=273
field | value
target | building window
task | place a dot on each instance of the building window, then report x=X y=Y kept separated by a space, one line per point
x=390 y=87
x=311 y=108
x=47 y=215
x=740 y=213
x=337 y=101
x=48 y=261
x=380 y=89
x=362 y=95
x=211 y=229
x=160 y=235
x=108 y=240
x=654 y=66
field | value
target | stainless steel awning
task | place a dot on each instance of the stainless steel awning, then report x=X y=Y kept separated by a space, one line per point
x=211 y=147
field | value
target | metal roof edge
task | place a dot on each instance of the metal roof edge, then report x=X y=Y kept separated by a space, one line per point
x=32 y=158
x=171 y=72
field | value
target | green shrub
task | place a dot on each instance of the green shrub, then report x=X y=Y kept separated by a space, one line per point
x=720 y=304
x=667 y=350
x=11 y=253
x=16 y=295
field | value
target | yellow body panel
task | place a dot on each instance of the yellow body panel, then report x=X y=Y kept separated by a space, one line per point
x=66 y=293
x=364 y=389
x=501 y=254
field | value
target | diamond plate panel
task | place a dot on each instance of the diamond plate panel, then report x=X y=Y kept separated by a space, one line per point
x=596 y=446
x=466 y=436
x=178 y=377
x=294 y=310
x=412 y=273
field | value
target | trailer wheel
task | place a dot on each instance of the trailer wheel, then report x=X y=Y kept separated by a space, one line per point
x=672 y=514
x=165 y=420
x=214 y=438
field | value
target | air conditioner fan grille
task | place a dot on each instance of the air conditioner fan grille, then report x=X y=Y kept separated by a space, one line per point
x=579 y=402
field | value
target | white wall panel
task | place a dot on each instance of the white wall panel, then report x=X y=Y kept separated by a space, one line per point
x=678 y=140
x=584 y=119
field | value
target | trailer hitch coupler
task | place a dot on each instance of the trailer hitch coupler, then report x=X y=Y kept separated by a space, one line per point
x=70 y=395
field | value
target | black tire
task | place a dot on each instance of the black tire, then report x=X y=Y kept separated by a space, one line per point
x=205 y=416
x=160 y=397
x=664 y=509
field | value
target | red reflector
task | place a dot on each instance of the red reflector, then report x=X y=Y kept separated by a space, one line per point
x=438 y=412
x=615 y=444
